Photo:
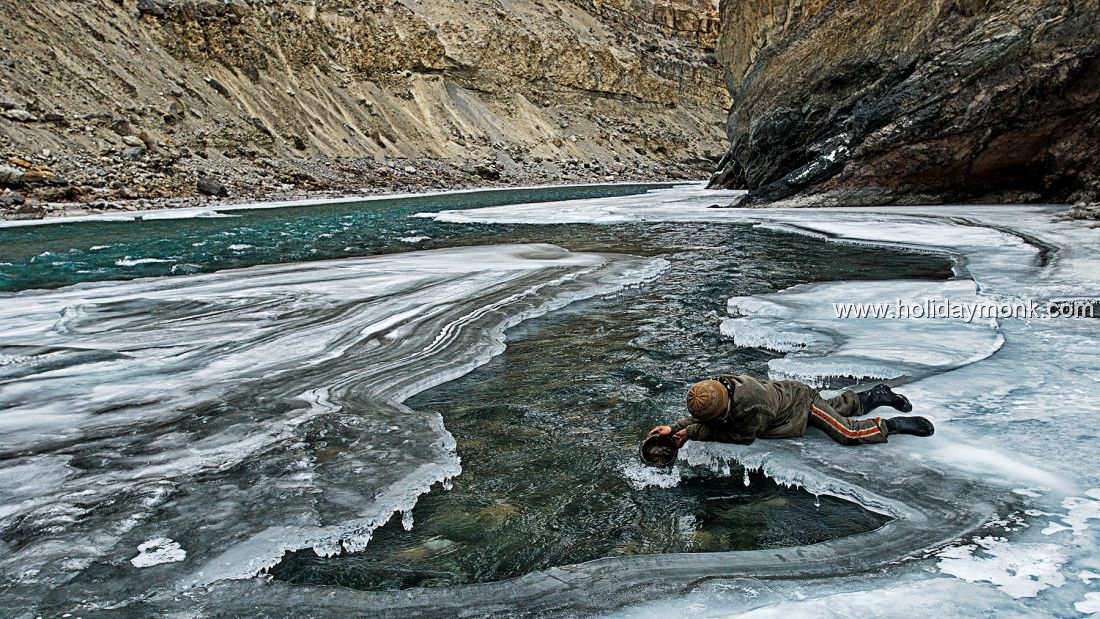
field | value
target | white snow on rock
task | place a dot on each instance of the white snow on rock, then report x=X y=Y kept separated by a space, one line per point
x=157 y=551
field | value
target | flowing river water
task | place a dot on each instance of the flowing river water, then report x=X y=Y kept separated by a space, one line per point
x=546 y=431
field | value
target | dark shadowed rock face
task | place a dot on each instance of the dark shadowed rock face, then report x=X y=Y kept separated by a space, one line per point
x=910 y=102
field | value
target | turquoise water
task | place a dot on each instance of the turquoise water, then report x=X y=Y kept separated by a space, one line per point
x=59 y=254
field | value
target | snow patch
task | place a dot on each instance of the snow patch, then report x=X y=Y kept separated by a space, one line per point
x=1081 y=510
x=1090 y=605
x=1020 y=570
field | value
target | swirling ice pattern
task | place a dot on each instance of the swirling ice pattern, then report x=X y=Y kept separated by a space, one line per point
x=264 y=403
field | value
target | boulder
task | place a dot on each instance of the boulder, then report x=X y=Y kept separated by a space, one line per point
x=210 y=186
x=11 y=176
x=217 y=86
x=27 y=211
x=11 y=200
x=122 y=127
x=19 y=115
x=155 y=8
x=134 y=153
x=37 y=176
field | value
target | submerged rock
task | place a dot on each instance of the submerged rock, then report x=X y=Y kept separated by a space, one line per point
x=909 y=102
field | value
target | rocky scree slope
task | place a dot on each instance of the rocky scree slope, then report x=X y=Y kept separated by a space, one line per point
x=905 y=102
x=110 y=103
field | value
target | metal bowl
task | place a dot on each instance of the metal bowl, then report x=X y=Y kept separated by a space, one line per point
x=657 y=450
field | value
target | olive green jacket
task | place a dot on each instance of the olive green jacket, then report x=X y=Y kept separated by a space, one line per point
x=758 y=409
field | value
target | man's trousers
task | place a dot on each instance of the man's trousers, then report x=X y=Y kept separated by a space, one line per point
x=834 y=417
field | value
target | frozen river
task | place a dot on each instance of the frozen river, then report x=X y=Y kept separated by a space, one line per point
x=230 y=432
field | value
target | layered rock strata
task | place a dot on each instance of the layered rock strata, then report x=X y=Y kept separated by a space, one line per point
x=902 y=102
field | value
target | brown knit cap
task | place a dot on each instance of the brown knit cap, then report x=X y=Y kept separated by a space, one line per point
x=707 y=399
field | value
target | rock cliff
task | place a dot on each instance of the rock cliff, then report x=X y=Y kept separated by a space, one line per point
x=105 y=100
x=902 y=101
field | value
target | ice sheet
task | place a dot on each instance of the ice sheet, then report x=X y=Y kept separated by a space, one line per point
x=822 y=344
x=963 y=541
x=265 y=402
x=1013 y=400
x=770 y=600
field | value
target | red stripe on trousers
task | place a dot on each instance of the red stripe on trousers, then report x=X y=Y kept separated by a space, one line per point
x=822 y=415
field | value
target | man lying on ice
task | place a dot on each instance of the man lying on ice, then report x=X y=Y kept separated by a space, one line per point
x=741 y=409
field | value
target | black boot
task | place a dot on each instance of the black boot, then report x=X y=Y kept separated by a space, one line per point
x=917 y=426
x=881 y=395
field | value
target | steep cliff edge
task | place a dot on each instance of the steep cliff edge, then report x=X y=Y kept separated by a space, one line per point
x=108 y=100
x=889 y=102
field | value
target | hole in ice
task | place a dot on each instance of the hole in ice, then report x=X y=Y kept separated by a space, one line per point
x=546 y=430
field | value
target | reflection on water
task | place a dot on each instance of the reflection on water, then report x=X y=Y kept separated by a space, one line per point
x=548 y=430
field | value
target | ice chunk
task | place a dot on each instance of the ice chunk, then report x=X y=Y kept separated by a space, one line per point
x=127 y=261
x=157 y=551
x=1080 y=511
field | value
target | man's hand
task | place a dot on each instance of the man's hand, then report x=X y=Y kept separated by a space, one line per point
x=680 y=437
x=660 y=431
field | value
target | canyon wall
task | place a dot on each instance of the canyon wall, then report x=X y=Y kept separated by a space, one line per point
x=104 y=100
x=901 y=102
